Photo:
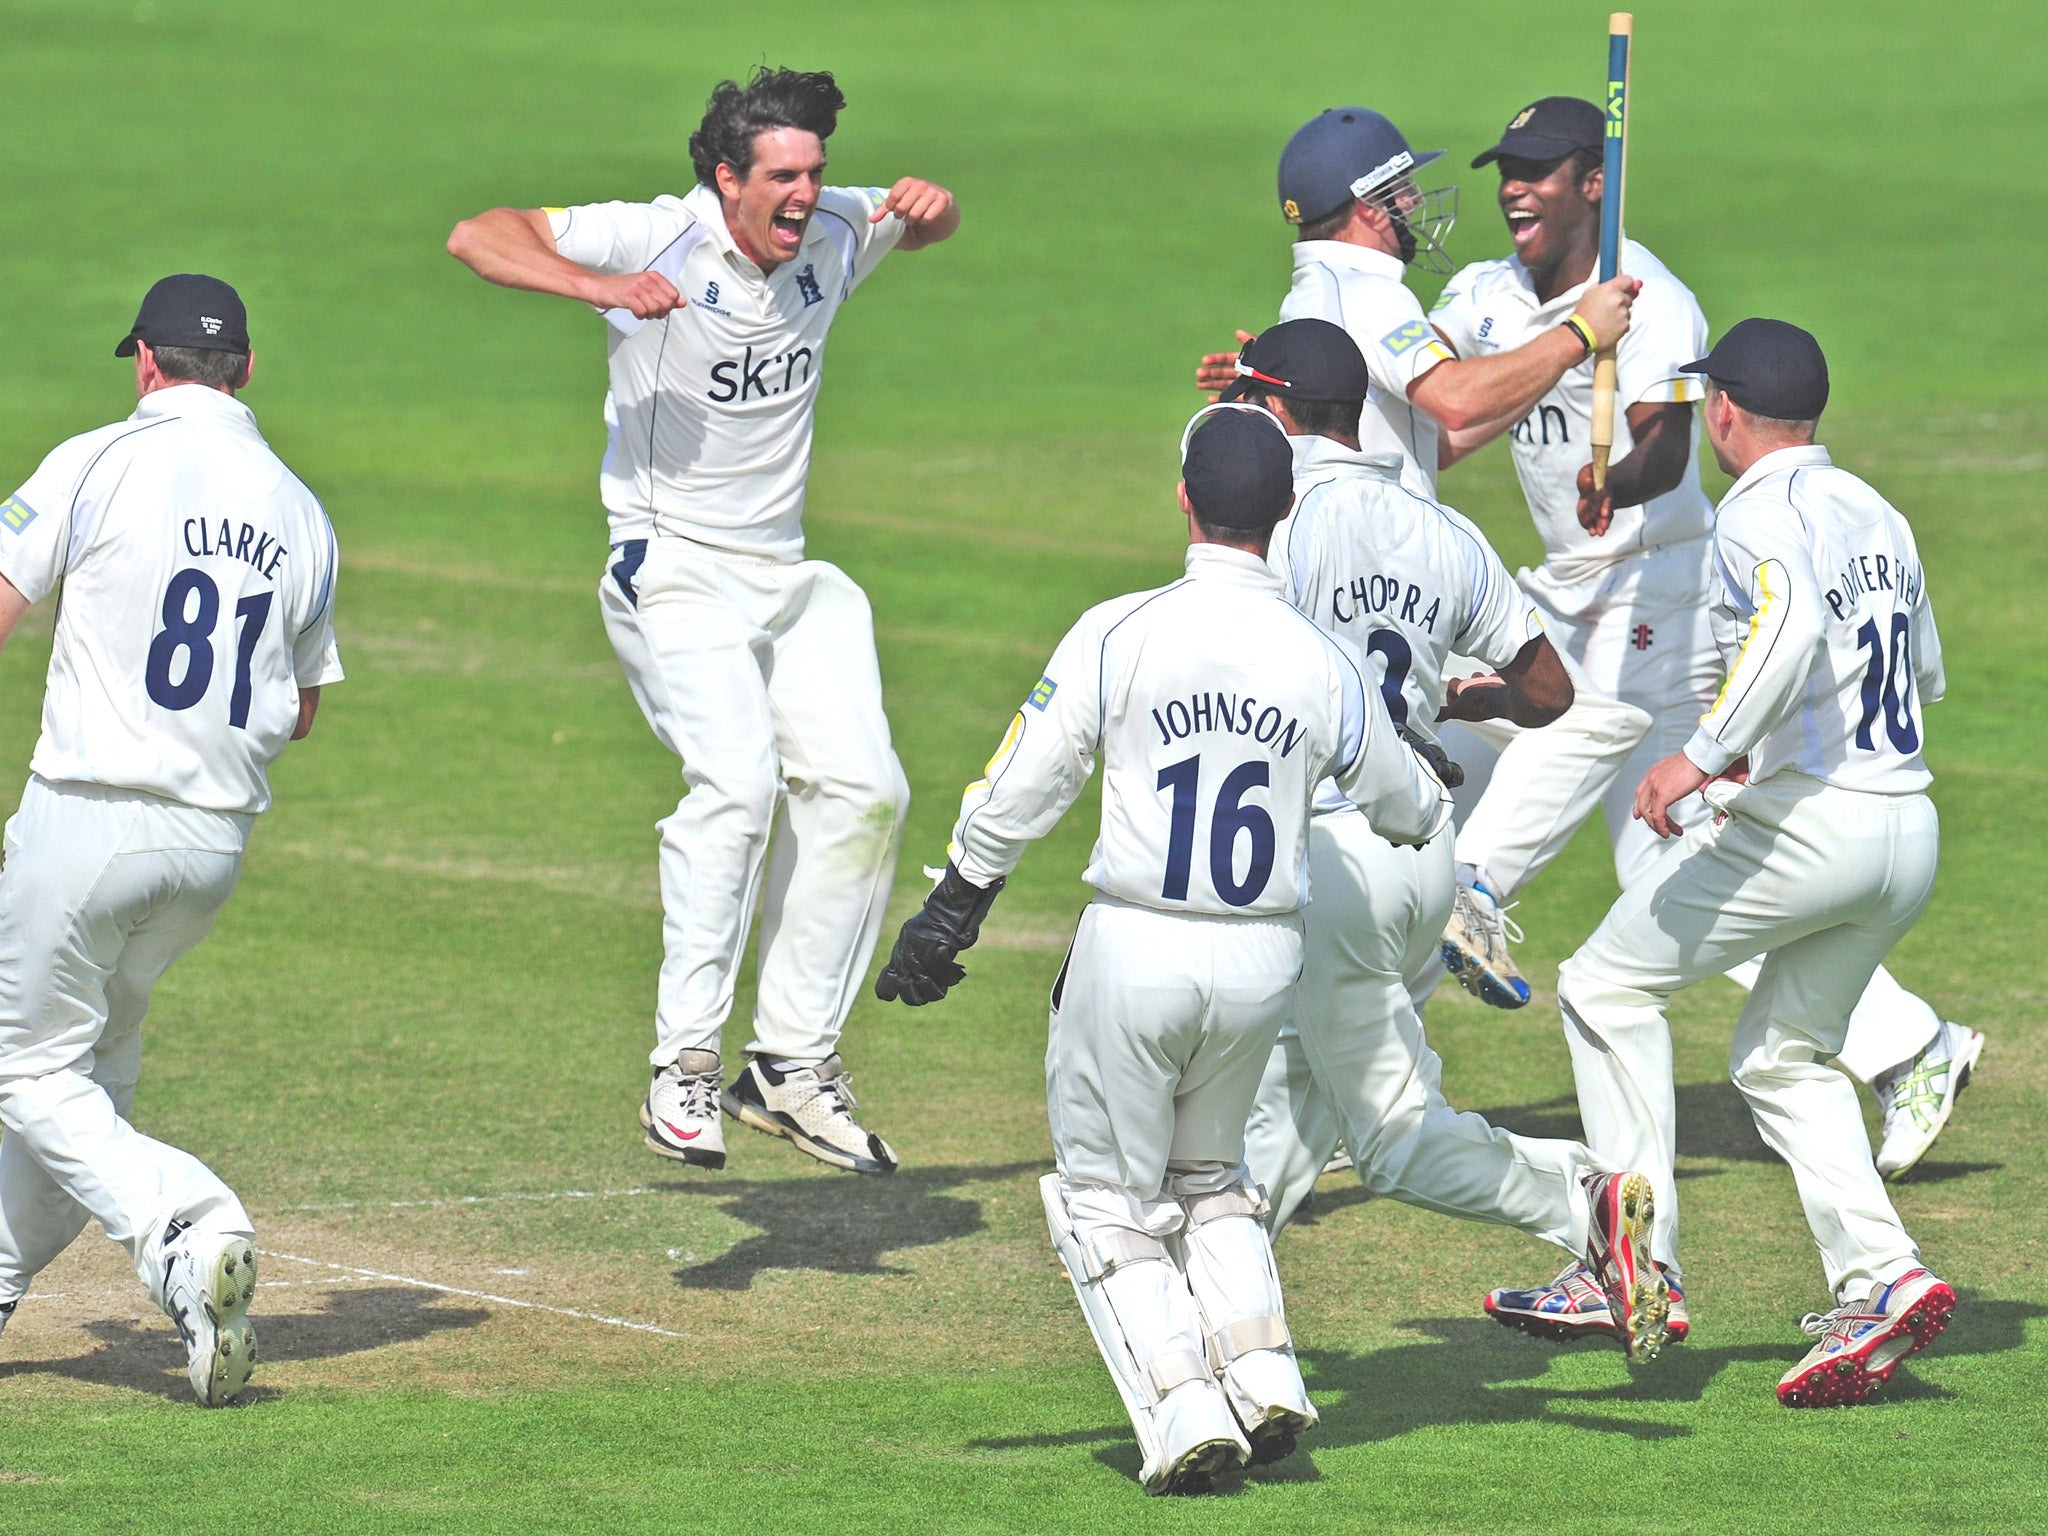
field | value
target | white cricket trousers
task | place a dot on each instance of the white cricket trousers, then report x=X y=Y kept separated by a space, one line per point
x=1822 y=882
x=102 y=890
x=1352 y=1064
x=1639 y=639
x=1161 y=1024
x=762 y=678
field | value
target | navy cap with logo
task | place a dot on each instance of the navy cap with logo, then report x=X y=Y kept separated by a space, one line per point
x=189 y=309
x=1769 y=367
x=1549 y=129
x=1238 y=469
x=1342 y=153
x=1301 y=360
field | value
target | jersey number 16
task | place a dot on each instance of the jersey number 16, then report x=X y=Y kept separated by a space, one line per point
x=191 y=633
x=1230 y=818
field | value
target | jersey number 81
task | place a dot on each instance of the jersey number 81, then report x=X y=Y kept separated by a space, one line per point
x=190 y=634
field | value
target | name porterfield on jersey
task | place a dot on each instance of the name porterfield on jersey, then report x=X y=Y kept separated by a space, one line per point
x=250 y=545
x=1867 y=573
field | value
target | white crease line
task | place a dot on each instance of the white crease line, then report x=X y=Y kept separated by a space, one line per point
x=420 y=1205
x=105 y=1293
x=456 y=1290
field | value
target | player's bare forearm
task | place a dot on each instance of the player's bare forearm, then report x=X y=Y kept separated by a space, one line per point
x=515 y=248
x=309 y=706
x=1656 y=464
x=1539 y=688
x=12 y=606
x=929 y=213
x=1468 y=391
x=1453 y=446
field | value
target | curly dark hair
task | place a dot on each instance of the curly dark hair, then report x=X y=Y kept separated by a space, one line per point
x=772 y=98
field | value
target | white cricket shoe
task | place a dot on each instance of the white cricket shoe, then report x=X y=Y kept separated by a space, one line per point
x=680 y=1113
x=209 y=1281
x=1919 y=1095
x=812 y=1107
x=1475 y=948
x=1198 y=1439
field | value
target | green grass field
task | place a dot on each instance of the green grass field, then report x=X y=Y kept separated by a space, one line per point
x=416 y=1039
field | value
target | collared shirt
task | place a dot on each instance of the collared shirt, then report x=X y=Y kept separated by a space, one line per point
x=1217 y=708
x=1361 y=290
x=198 y=576
x=1402 y=582
x=708 y=418
x=1491 y=306
x=1824 y=621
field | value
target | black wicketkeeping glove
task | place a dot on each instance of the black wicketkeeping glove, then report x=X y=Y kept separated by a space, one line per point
x=921 y=968
x=1446 y=769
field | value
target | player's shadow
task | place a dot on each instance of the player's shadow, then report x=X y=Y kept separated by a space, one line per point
x=844 y=1226
x=1470 y=1371
x=146 y=1356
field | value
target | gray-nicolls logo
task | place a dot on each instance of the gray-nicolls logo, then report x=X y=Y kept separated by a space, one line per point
x=212 y=325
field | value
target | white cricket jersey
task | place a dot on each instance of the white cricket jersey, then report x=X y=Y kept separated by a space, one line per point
x=708 y=418
x=1217 y=709
x=1401 y=581
x=1491 y=306
x=1823 y=616
x=198 y=575
x=1362 y=291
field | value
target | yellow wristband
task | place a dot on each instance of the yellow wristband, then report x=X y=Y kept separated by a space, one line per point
x=1576 y=324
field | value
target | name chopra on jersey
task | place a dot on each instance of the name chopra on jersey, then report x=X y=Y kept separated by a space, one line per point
x=1863 y=574
x=743 y=379
x=250 y=546
x=1239 y=715
x=1381 y=594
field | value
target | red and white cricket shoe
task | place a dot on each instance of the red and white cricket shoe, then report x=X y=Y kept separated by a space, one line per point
x=1861 y=1345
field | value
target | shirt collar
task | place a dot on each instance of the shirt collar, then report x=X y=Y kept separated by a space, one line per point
x=1525 y=287
x=1342 y=253
x=1777 y=461
x=1315 y=454
x=703 y=205
x=1235 y=565
x=194 y=401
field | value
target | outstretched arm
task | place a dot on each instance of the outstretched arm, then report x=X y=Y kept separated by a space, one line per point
x=515 y=248
x=928 y=211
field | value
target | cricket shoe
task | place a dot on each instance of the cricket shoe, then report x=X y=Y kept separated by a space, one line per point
x=1618 y=1254
x=1861 y=1345
x=1919 y=1095
x=6 y=1312
x=680 y=1113
x=1475 y=948
x=1199 y=1440
x=209 y=1281
x=1574 y=1307
x=811 y=1106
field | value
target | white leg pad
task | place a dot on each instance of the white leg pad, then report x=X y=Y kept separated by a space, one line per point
x=1228 y=1256
x=1145 y=1324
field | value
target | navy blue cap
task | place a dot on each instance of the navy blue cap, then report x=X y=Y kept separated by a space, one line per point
x=1345 y=152
x=1769 y=367
x=1301 y=360
x=1549 y=129
x=189 y=309
x=1238 y=469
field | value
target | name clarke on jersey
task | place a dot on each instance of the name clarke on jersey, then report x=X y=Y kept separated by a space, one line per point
x=250 y=546
x=1238 y=715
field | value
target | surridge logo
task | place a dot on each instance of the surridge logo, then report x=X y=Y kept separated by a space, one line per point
x=711 y=293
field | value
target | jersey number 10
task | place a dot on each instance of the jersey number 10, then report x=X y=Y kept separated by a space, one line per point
x=1889 y=685
x=193 y=634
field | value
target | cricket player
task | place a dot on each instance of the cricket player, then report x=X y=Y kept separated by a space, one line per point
x=194 y=636
x=1403 y=583
x=1624 y=586
x=1217 y=710
x=1818 y=855
x=1347 y=186
x=753 y=664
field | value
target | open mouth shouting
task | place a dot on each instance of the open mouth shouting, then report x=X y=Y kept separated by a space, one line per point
x=786 y=230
